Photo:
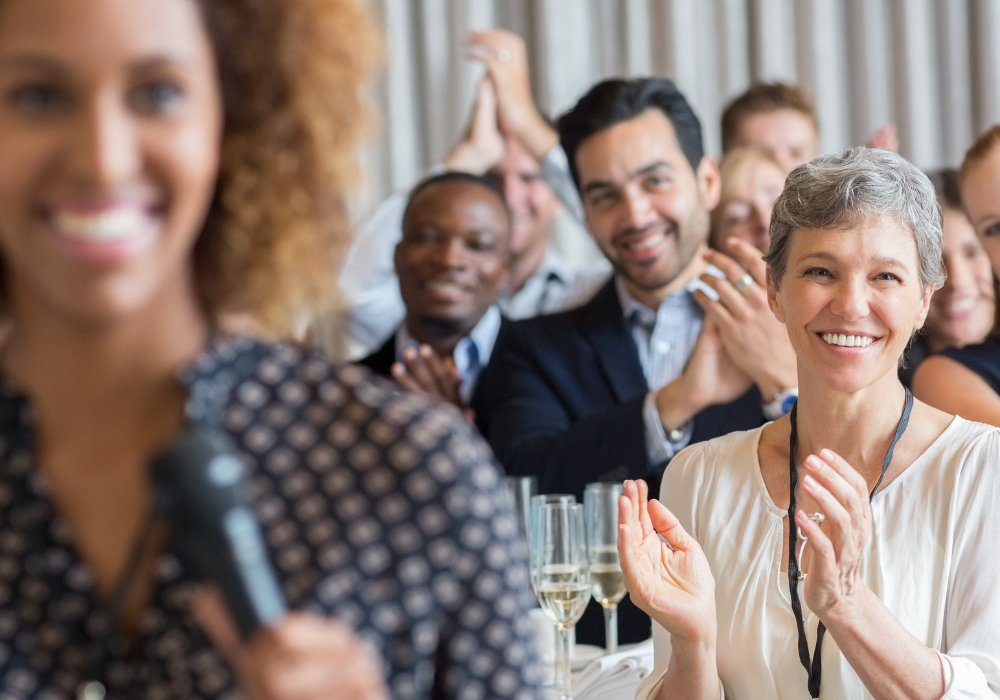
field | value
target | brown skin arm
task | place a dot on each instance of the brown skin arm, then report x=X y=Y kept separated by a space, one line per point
x=953 y=388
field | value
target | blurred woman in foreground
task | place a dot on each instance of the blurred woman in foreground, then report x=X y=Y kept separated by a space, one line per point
x=963 y=310
x=966 y=380
x=879 y=583
x=164 y=163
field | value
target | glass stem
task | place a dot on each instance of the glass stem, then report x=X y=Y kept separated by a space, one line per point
x=563 y=679
x=610 y=629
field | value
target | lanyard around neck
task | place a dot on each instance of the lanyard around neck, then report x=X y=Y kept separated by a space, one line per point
x=814 y=667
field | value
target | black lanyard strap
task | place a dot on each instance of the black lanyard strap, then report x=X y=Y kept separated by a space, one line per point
x=814 y=667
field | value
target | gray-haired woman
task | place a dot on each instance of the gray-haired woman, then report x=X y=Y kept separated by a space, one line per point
x=883 y=581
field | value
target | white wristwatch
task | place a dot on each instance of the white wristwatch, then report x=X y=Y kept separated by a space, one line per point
x=781 y=404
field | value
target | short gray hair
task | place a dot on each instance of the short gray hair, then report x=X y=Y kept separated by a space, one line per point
x=850 y=188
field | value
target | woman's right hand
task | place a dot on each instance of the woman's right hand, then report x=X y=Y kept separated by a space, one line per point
x=301 y=657
x=672 y=584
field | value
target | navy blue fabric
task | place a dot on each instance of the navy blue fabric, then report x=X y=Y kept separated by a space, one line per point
x=380 y=361
x=983 y=359
x=562 y=400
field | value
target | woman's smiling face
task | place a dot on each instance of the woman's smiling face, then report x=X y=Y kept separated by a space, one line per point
x=850 y=300
x=110 y=129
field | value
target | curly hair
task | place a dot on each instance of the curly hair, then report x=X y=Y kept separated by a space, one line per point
x=292 y=76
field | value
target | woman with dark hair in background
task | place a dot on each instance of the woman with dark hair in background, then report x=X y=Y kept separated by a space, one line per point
x=165 y=165
x=963 y=310
x=965 y=380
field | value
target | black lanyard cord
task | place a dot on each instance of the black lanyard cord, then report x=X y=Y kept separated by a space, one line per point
x=98 y=649
x=815 y=667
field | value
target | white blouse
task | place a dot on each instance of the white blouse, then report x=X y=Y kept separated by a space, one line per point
x=933 y=559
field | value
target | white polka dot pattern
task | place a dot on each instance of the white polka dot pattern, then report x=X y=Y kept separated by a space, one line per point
x=379 y=508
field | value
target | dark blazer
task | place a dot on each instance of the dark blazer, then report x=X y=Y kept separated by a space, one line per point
x=380 y=362
x=562 y=400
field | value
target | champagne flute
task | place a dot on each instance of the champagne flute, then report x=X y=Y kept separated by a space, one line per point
x=600 y=502
x=561 y=574
x=535 y=507
x=522 y=489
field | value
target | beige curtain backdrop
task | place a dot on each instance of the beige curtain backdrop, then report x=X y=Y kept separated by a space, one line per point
x=932 y=67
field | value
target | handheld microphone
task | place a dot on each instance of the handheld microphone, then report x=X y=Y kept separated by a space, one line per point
x=201 y=485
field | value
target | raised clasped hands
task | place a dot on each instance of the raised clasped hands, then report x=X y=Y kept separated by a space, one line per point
x=756 y=341
x=423 y=371
x=506 y=60
x=671 y=582
x=835 y=548
x=483 y=145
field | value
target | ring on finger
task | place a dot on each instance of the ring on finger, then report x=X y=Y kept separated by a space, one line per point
x=817 y=518
x=743 y=282
x=503 y=55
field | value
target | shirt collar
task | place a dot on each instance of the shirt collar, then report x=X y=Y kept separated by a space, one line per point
x=633 y=309
x=554 y=265
x=483 y=337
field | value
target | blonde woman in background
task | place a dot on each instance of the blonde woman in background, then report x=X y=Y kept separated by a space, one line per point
x=752 y=179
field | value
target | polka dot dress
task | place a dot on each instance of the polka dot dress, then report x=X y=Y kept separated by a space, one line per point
x=379 y=508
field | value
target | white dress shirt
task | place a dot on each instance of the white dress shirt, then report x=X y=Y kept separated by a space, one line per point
x=931 y=559
x=665 y=339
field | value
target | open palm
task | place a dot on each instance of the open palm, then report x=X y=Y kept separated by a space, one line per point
x=670 y=582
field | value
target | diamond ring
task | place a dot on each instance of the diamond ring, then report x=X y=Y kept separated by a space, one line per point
x=743 y=282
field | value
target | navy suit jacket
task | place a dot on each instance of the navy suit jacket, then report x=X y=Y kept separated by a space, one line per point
x=562 y=400
x=381 y=361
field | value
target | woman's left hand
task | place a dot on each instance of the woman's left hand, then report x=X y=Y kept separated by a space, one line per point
x=832 y=556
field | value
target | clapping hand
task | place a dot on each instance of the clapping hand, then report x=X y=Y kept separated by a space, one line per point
x=832 y=555
x=423 y=371
x=756 y=341
x=670 y=581
x=302 y=657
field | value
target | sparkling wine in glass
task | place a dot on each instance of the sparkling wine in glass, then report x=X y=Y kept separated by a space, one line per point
x=534 y=509
x=561 y=574
x=600 y=502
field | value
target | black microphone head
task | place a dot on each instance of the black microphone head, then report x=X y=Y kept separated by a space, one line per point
x=201 y=485
x=198 y=474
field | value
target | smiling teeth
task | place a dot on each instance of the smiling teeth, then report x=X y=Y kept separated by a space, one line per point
x=849 y=341
x=444 y=286
x=106 y=227
x=645 y=244
x=960 y=305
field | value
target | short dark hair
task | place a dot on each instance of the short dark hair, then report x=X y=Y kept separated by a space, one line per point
x=945 y=183
x=761 y=98
x=458 y=176
x=614 y=101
